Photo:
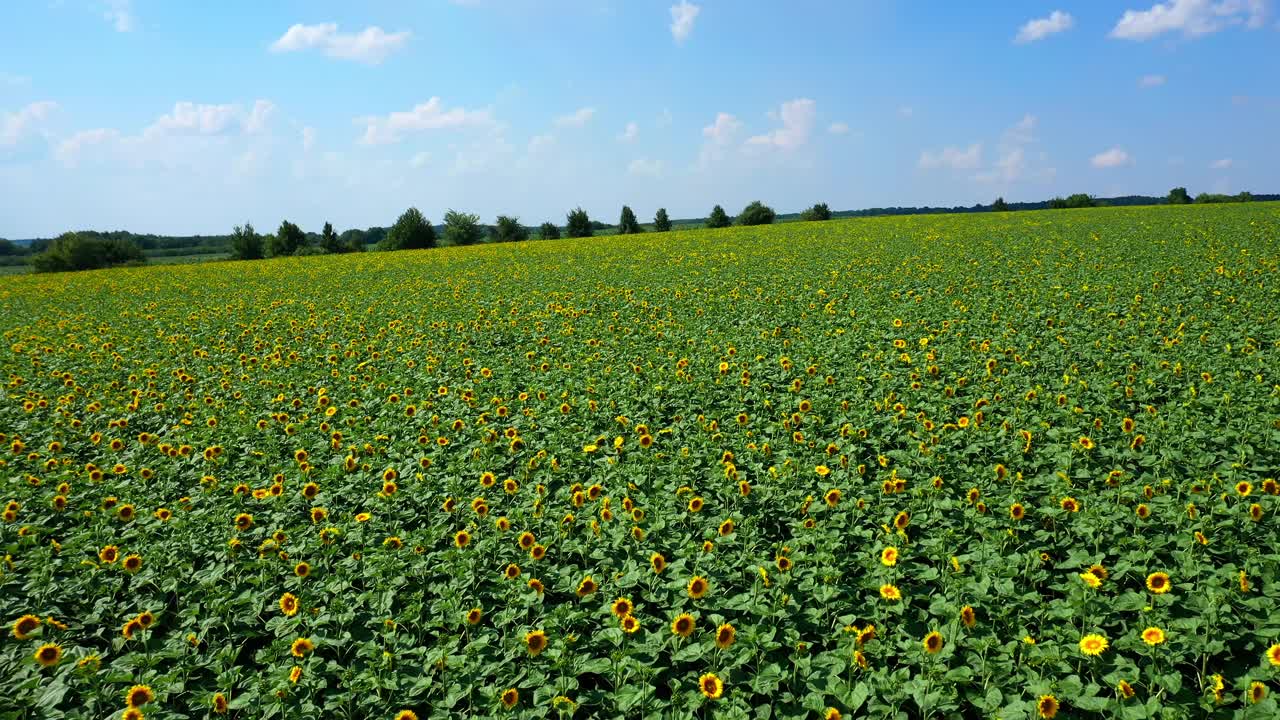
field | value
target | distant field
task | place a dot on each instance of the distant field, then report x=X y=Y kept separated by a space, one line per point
x=997 y=465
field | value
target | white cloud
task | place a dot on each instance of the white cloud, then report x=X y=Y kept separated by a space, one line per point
x=1115 y=157
x=1223 y=164
x=1013 y=161
x=15 y=126
x=1150 y=81
x=1192 y=18
x=308 y=138
x=576 y=119
x=838 y=128
x=68 y=151
x=721 y=131
x=420 y=160
x=430 y=115
x=371 y=45
x=797 y=122
x=645 y=167
x=257 y=121
x=629 y=133
x=538 y=143
x=952 y=157
x=192 y=119
x=1040 y=28
x=120 y=14
x=682 y=17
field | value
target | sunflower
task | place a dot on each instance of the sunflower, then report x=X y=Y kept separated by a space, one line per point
x=243 y=521
x=629 y=624
x=1255 y=512
x=474 y=615
x=1093 y=645
x=1153 y=636
x=1158 y=583
x=587 y=586
x=933 y=642
x=726 y=634
x=132 y=714
x=146 y=619
x=48 y=655
x=24 y=626
x=726 y=527
x=1125 y=689
x=711 y=686
x=622 y=607
x=698 y=587
x=295 y=674
x=1047 y=706
x=784 y=563
x=509 y=698
x=1244 y=488
x=126 y=512
x=537 y=552
x=1070 y=504
x=219 y=703
x=138 y=696
x=1091 y=579
x=302 y=569
x=289 y=604
x=462 y=539
x=526 y=540
x=132 y=563
x=535 y=641
x=301 y=647
x=406 y=715
x=131 y=627
x=902 y=520
x=832 y=714
x=890 y=592
x=683 y=625
x=536 y=585
x=695 y=504
x=1098 y=570
x=1257 y=692
x=1273 y=654
x=1142 y=511
x=658 y=563
x=889 y=556
x=1017 y=511
x=968 y=616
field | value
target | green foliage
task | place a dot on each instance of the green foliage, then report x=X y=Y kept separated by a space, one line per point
x=756 y=213
x=329 y=240
x=508 y=229
x=1078 y=200
x=411 y=232
x=72 y=251
x=578 y=224
x=718 y=218
x=246 y=243
x=661 y=223
x=818 y=212
x=1211 y=198
x=627 y=223
x=1179 y=196
x=286 y=241
x=548 y=231
x=462 y=228
x=999 y=205
x=8 y=248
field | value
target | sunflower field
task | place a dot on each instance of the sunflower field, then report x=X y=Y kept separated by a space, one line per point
x=1014 y=465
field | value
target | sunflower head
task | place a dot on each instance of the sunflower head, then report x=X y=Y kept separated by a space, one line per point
x=711 y=686
x=535 y=641
x=1158 y=583
x=1153 y=636
x=725 y=635
x=302 y=647
x=933 y=642
x=1093 y=645
x=48 y=655
x=1047 y=706
x=622 y=607
x=24 y=626
x=509 y=698
x=138 y=695
x=683 y=625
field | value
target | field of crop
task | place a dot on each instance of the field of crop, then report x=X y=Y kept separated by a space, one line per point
x=1009 y=465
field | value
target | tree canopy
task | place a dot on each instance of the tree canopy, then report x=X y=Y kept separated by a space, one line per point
x=578 y=224
x=462 y=228
x=757 y=213
x=818 y=212
x=411 y=232
x=627 y=223
x=508 y=229
x=661 y=223
x=718 y=218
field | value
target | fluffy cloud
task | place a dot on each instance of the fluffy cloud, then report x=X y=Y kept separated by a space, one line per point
x=420 y=160
x=682 y=17
x=1115 y=157
x=15 y=126
x=308 y=138
x=952 y=157
x=68 y=151
x=838 y=128
x=120 y=15
x=191 y=119
x=1150 y=81
x=257 y=121
x=1033 y=30
x=797 y=122
x=538 y=143
x=576 y=119
x=430 y=115
x=645 y=167
x=721 y=131
x=371 y=45
x=1223 y=164
x=1192 y=18
x=629 y=133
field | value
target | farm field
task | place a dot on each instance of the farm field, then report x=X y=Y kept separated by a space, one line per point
x=1009 y=465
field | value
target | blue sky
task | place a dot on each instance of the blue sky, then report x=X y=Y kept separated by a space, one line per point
x=185 y=117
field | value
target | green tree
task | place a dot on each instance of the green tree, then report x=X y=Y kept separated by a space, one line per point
x=549 y=231
x=74 y=251
x=462 y=228
x=999 y=205
x=718 y=218
x=411 y=232
x=329 y=240
x=757 y=213
x=818 y=212
x=627 y=223
x=1179 y=196
x=352 y=240
x=246 y=244
x=578 y=224
x=287 y=240
x=509 y=229
x=1081 y=200
x=661 y=223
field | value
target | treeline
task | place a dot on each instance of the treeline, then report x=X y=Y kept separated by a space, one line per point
x=412 y=230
